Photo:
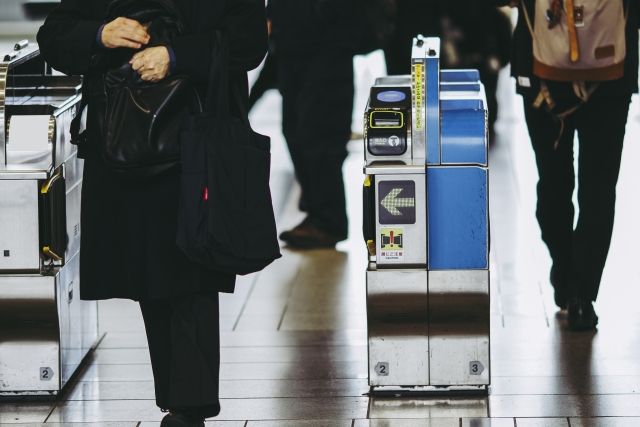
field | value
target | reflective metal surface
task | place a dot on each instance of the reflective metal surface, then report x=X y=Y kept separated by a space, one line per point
x=397 y=320
x=459 y=313
x=19 y=225
x=45 y=330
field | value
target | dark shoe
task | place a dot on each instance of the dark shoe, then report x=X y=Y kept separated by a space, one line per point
x=582 y=316
x=180 y=420
x=308 y=236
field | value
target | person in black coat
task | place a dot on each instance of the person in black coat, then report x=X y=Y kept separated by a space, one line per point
x=128 y=243
x=578 y=253
x=316 y=41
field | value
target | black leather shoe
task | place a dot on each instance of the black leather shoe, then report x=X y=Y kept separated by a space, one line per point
x=180 y=420
x=308 y=236
x=582 y=316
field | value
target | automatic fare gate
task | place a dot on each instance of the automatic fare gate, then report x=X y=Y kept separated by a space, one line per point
x=426 y=227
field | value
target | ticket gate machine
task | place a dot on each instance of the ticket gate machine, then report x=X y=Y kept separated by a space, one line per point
x=426 y=227
x=45 y=329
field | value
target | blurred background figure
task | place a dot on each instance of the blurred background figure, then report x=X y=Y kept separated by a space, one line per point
x=474 y=35
x=316 y=41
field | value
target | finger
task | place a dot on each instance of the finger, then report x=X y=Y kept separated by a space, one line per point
x=135 y=36
x=127 y=43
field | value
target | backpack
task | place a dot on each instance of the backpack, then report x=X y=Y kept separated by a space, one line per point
x=578 y=41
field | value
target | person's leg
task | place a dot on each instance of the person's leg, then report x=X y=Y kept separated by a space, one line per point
x=157 y=322
x=601 y=130
x=325 y=113
x=555 y=210
x=184 y=344
x=291 y=75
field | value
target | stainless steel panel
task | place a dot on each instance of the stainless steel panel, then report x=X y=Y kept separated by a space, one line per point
x=19 y=229
x=29 y=335
x=78 y=320
x=27 y=298
x=459 y=327
x=4 y=73
x=397 y=302
x=73 y=201
x=29 y=359
x=414 y=236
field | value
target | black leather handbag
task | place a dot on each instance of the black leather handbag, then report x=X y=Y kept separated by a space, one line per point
x=225 y=219
x=140 y=121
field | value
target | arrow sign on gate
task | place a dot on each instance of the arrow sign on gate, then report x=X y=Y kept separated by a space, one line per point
x=392 y=202
x=397 y=201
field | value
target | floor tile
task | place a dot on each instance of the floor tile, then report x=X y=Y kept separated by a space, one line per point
x=293 y=409
x=229 y=389
x=542 y=422
x=106 y=411
x=24 y=413
x=301 y=423
x=605 y=422
x=532 y=406
x=419 y=407
x=487 y=422
x=435 y=422
x=207 y=424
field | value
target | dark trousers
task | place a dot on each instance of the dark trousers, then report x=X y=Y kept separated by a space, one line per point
x=184 y=343
x=317 y=95
x=579 y=253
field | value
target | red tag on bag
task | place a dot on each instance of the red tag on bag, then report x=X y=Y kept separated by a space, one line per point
x=205 y=194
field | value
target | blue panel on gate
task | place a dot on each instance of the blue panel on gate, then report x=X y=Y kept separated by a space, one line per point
x=460 y=87
x=460 y=76
x=458 y=218
x=462 y=104
x=463 y=137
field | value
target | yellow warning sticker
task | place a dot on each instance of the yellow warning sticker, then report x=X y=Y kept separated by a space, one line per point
x=418 y=93
x=392 y=244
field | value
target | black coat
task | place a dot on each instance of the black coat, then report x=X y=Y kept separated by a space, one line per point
x=522 y=52
x=128 y=247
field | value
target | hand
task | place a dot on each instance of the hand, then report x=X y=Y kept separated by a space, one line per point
x=124 y=32
x=152 y=63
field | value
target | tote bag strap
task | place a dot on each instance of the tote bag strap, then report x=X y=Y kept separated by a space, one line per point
x=220 y=93
x=217 y=100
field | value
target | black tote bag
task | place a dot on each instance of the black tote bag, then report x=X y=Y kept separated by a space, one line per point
x=226 y=220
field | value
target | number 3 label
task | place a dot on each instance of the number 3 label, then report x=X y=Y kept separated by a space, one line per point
x=476 y=368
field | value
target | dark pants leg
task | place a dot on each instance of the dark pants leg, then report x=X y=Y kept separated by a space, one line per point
x=556 y=182
x=601 y=128
x=317 y=94
x=578 y=255
x=184 y=344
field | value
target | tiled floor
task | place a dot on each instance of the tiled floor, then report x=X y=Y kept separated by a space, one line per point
x=294 y=336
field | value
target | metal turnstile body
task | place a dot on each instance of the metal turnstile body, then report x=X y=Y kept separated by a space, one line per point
x=45 y=330
x=426 y=226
